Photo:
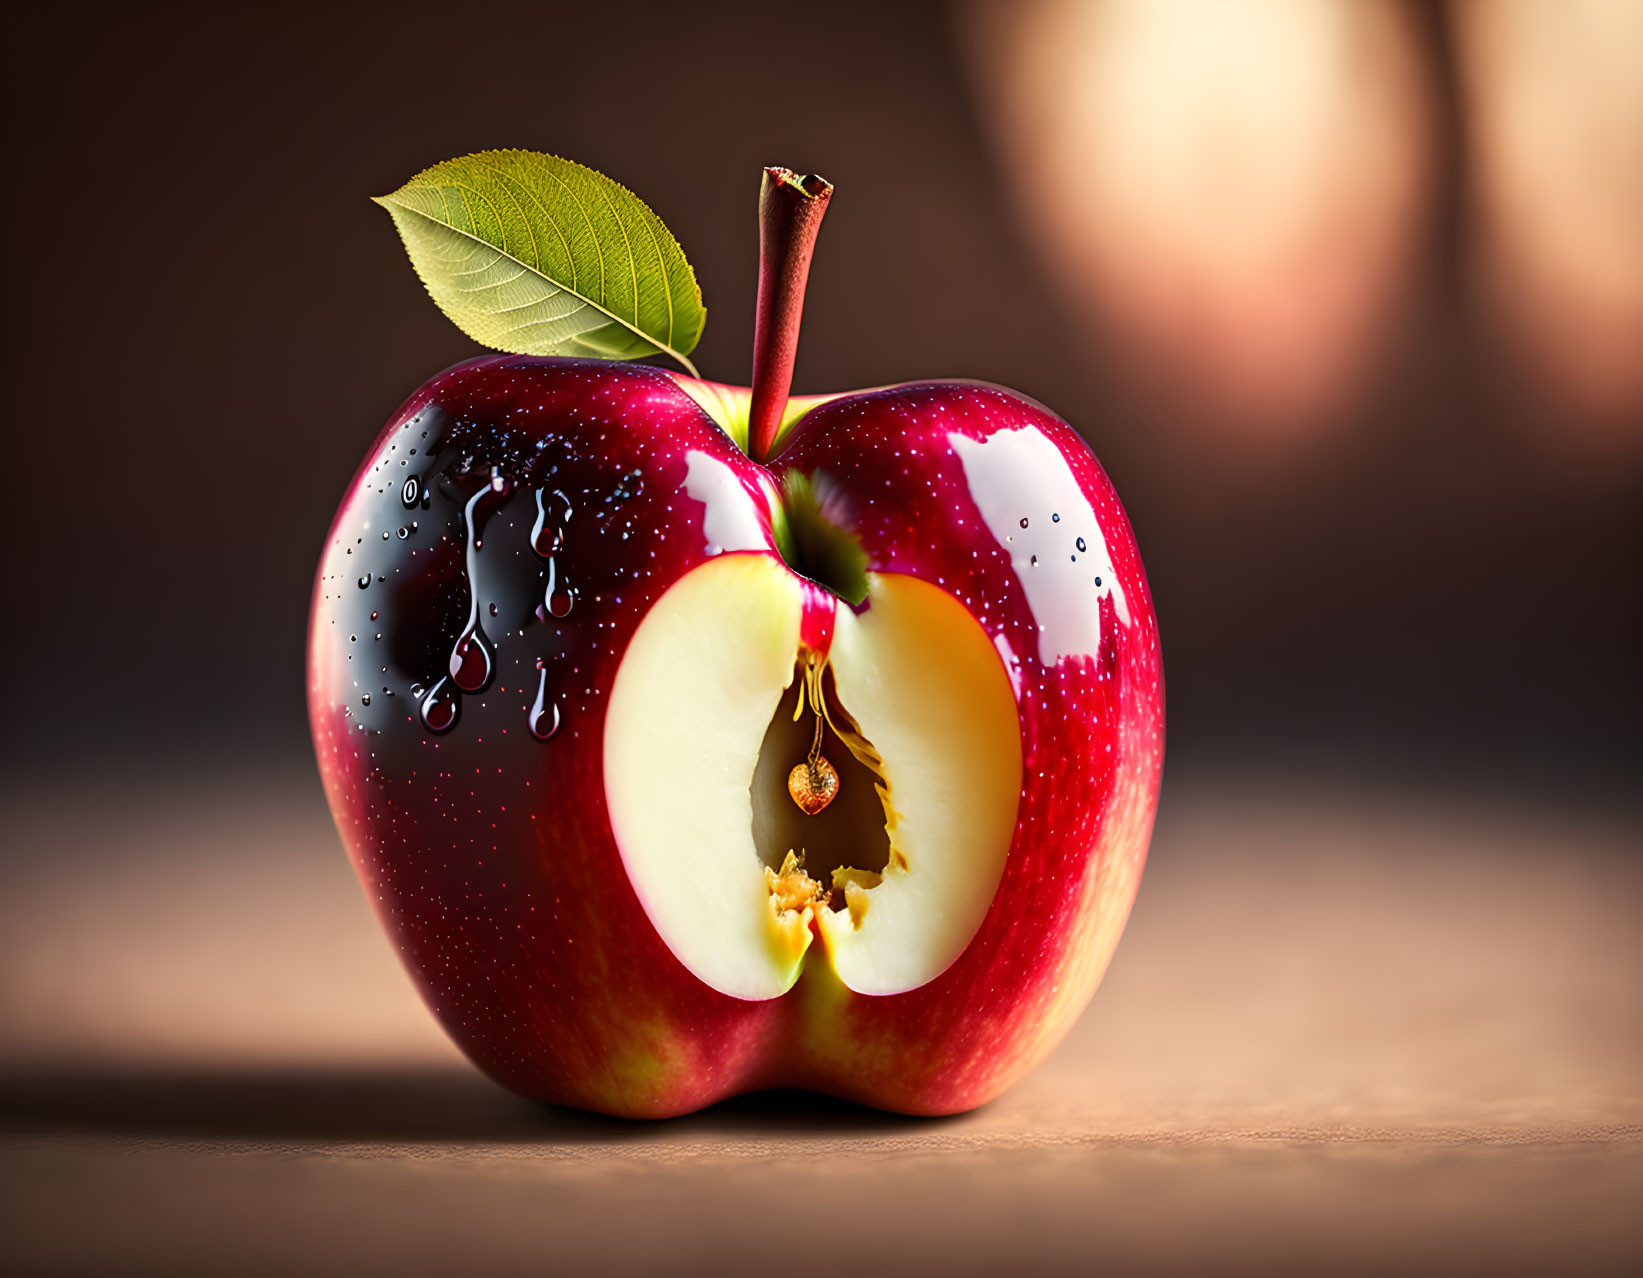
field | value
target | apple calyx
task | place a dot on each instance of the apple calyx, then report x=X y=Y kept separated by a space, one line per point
x=791 y=206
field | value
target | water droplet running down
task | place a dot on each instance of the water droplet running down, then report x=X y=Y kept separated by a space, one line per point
x=440 y=707
x=558 y=596
x=544 y=714
x=471 y=662
x=553 y=512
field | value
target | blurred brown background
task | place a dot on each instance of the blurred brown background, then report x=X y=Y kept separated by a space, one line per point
x=1347 y=297
x=1383 y=525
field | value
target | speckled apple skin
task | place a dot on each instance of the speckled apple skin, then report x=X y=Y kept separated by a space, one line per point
x=487 y=852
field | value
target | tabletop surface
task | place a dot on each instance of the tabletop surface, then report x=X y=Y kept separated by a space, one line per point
x=1347 y=1030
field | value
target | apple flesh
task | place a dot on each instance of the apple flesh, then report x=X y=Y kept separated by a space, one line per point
x=560 y=630
x=934 y=719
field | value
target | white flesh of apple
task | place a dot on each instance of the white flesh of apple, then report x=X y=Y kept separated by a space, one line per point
x=695 y=692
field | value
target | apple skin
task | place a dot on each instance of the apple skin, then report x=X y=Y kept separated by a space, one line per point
x=488 y=853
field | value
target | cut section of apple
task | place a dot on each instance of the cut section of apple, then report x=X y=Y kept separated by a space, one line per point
x=699 y=740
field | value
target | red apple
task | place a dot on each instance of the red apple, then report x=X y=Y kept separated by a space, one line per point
x=567 y=649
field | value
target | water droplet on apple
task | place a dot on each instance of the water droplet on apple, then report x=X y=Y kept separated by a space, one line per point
x=1023 y=521
x=558 y=596
x=412 y=492
x=553 y=512
x=471 y=662
x=365 y=700
x=544 y=714
x=439 y=708
x=1081 y=545
x=365 y=581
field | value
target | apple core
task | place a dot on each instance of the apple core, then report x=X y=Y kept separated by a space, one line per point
x=917 y=697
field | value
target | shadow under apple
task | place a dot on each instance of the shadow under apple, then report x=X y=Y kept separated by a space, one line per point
x=343 y=1105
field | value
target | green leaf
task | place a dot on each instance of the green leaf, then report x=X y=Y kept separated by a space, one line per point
x=540 y=256
x=816 y=539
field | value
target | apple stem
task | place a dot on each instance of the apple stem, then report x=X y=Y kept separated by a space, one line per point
x=790 y=213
